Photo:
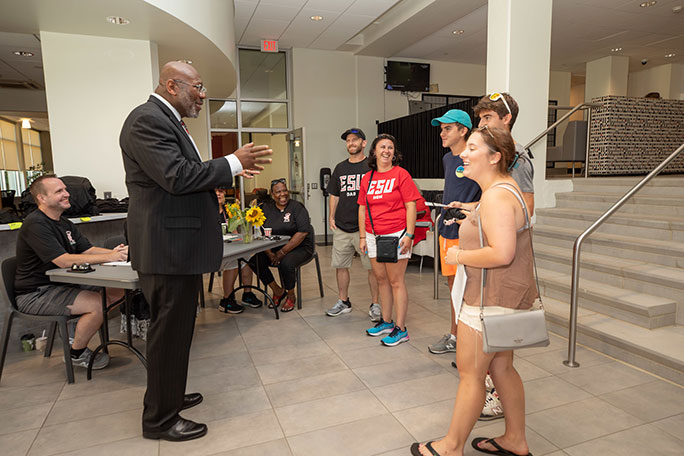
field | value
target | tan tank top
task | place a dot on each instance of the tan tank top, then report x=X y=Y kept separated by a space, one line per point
x=512 y=286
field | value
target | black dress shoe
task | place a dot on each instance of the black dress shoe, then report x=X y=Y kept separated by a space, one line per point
x=180 y=431
x=191 y=400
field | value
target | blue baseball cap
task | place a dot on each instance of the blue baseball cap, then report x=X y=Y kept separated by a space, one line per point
x=451 y=116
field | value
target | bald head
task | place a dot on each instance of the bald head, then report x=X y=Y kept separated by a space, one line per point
x=178 y=84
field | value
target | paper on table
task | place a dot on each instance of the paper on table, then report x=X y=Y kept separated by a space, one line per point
x=117 y=263
x=458 y=289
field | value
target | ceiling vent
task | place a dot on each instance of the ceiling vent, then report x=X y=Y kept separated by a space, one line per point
x=17 y=84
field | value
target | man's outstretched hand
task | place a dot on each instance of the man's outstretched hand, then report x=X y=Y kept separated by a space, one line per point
x=252 y=157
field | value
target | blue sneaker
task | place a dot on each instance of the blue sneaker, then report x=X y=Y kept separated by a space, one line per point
x=396 y=337
x=380 y=328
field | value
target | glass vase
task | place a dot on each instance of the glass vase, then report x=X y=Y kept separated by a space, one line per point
x=246 y=232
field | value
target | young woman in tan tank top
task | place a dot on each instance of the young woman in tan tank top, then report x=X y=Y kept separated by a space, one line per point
x=510 y=287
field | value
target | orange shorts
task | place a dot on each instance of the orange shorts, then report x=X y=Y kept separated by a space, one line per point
x=444 y=245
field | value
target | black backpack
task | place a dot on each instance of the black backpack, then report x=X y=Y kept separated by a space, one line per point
x=81 y=196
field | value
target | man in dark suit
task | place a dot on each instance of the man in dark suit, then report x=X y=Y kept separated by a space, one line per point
x=174 y=234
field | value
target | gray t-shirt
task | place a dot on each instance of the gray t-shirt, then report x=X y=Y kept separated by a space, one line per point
x=523 y=172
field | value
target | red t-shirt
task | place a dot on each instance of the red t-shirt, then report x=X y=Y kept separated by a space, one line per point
x=387 y=194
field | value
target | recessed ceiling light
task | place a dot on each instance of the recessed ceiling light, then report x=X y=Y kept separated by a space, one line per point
x=316 y=18
x=458 y=32
x=189 y=62
x=118 y=20
x=647 y=4
x=677 y=9
x=670 y=55
x=23 y=53
x=617 y=49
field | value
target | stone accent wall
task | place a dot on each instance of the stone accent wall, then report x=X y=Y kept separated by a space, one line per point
x=631 y=136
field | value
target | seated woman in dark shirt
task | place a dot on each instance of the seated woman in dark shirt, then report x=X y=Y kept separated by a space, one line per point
x=285 y=217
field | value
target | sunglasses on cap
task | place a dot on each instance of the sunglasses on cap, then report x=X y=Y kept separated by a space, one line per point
x=280 y=180
x=496 y=96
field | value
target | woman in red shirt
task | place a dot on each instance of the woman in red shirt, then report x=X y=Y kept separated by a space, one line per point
x=389 y=194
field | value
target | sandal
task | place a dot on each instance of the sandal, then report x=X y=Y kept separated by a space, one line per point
x=500 y=450
x=415 y=449
x=288 y=306
x=276 y=300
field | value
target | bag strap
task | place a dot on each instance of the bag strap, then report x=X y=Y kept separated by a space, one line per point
x=521 y=200
x=368 y=205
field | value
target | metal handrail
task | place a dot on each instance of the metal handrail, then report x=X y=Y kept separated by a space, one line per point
x=572 y=336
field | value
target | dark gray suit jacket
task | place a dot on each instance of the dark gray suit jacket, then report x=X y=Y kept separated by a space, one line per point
x=173 y=218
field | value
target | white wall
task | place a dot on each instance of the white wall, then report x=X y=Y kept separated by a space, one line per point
x=559 y=90
x=92 y=84
x=664 y=79
x=607 y=76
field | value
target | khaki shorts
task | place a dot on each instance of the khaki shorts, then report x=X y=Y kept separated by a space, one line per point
x=344 y=246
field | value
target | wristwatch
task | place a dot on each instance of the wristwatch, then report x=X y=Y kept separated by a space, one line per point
x=410 y=236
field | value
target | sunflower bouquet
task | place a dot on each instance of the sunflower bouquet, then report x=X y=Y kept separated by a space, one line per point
x=244 y=219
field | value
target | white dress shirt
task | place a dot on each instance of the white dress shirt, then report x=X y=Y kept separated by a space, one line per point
x=233 y=161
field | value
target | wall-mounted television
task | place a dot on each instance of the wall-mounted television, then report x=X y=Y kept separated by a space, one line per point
x=407 y=76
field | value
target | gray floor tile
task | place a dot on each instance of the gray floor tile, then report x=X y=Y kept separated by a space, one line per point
x=552 y=361
x=313 y=387
x=23 y=418
x=25 y=396
x=359 y=438
x=427 y=422
x=396 y=372
x=549 y=392
x=378 y=354
x=673 y=425
x=229 y=404
x=639 y=441
x=578 y=422
x=273 y=448
x=231 y=379
x=107 y=403
x=281 y=352
x=330 y=411
x=606 y=378
x=17 y=443
x=93 y=431
x=290 y=370
x=137 y=446
x=417 y=392
x=228 y=434
x=650 y=402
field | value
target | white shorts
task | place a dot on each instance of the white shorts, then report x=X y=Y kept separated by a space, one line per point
x=372 y=251
x=470 y=315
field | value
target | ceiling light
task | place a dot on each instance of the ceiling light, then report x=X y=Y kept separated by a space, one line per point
x=677 y=9
x=458 y=32
x=189 y=62
x=316 y=18
x=26 y=124
x=617 y=49
x=670 y=55
x=23 y=53
x=647 y=4
x=118 y=20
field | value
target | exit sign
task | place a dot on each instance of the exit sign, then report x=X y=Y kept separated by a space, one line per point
x=269 y=45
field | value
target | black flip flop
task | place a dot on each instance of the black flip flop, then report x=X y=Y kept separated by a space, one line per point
x=415 y=449
x=500 y=450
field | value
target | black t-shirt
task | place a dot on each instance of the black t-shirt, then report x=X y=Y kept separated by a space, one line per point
x=40 y=241
x=345 y=183
x=293 y=219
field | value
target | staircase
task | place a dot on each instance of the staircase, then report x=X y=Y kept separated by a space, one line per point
x=631 y=288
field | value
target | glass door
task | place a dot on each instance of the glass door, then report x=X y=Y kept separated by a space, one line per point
x=295 y=139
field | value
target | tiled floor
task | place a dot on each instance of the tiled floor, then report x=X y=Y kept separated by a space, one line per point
x=314 y=385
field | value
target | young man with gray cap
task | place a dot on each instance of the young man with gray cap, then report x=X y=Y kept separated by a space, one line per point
x=455 y=126
x=344 y=222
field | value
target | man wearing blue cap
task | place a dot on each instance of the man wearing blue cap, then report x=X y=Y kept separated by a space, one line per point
x=455 y=126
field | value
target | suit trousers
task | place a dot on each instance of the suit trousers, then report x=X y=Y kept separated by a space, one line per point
x=173 y=306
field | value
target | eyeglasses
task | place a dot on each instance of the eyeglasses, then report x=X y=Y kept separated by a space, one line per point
x=281 y=180
x=496 y=96
x=200 y=87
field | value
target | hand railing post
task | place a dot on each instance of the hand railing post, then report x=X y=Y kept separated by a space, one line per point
x=436 y=257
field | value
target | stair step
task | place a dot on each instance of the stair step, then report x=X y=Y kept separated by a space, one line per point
x=659 y=227
x=638 y=308
x=659 y=252
x=638 y=204
x=655 y=350
x=667 y=185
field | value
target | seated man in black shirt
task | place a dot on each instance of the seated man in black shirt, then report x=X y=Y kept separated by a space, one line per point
x=47 y=240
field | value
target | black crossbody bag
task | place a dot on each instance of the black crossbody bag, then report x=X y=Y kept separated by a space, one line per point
x=386 y=247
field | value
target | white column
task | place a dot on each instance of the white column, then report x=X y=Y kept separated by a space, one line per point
x=92 y=83
x=607 y=76
x=518 y=62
